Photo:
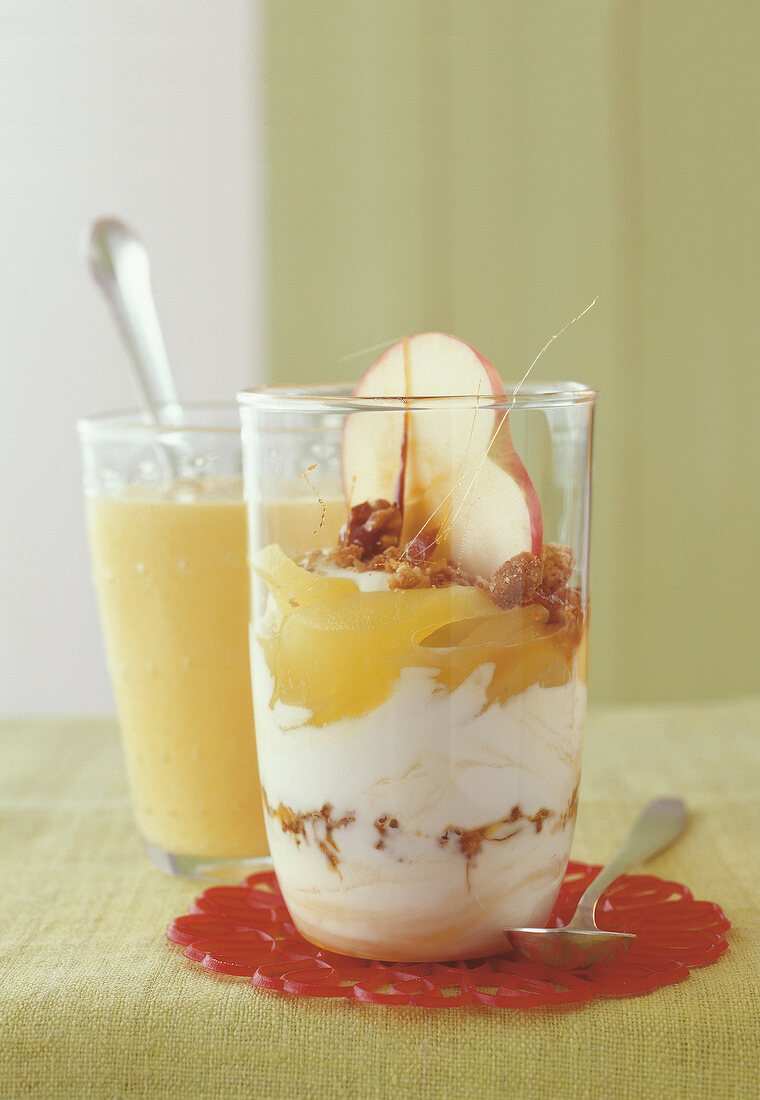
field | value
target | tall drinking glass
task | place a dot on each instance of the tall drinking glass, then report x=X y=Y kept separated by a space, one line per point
x=419 y=678
x=167 y=531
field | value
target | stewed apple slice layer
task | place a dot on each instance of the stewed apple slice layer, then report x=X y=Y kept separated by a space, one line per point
x=338 y=653
x=453 y=469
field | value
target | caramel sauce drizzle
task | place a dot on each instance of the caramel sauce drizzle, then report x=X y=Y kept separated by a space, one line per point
x=312 y=486
x=321 y=823
x=569 y=813
x=383 y=824
x=470 y=841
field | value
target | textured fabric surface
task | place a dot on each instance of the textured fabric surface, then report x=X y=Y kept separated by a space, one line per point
x=96 y=1003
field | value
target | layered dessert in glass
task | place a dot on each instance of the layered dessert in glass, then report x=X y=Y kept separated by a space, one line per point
x=419 y=681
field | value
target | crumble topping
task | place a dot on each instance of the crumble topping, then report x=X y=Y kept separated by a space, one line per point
x=516 y=582
x=558 y=563
x=401 y=572
x=370 y=541
x=526 y=579
x=373 y=526
x=347 y=557
x=431 y=573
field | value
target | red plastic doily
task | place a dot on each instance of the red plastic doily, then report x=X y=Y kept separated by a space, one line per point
x=246 y=930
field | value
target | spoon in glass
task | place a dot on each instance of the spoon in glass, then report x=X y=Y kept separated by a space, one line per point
x=119 y=263
x=581 y=943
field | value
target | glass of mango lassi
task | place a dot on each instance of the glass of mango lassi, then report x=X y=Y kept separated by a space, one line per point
x=168 y=537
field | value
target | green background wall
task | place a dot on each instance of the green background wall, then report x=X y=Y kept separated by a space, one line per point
x=487 y=169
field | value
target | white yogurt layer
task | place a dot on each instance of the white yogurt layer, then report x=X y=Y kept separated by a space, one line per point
x=421 y=829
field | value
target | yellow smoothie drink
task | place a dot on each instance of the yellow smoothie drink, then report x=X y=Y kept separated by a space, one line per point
x=171 y=575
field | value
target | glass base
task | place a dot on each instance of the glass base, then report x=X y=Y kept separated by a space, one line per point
x=205 y=868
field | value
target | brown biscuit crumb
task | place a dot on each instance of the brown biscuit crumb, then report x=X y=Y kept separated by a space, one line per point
x=558 y=563
x=516 y=582
x=347 y=557
x=406 y=576
x=442 y=573
x=573 y=608
x=428 y=574
x=388 y=560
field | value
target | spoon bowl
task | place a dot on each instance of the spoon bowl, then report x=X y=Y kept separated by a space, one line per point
x=581 y=943
x=570 y=949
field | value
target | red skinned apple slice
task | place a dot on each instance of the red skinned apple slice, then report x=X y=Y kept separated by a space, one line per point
x=460 y=473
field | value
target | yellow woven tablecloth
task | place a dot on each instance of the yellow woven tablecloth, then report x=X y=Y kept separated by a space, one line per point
x=95 y=1001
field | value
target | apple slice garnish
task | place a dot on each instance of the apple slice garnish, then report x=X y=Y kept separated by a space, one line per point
x=452 y=472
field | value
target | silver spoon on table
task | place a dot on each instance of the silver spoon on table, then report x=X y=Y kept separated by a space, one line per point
x=581 y=943
x=119 y=263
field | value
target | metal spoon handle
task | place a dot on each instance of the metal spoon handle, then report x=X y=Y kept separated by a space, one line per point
x=119 y=263
x=661 y=821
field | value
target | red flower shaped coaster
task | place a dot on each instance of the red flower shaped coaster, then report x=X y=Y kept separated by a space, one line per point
x=246 y=930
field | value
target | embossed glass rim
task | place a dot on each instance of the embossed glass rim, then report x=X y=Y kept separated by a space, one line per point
x=339 y=398
x=139 y=421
